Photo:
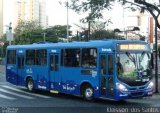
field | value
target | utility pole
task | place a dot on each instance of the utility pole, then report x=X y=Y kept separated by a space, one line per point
x=67 y=24
x=89 y=30
x=156 y=61
x=44 y=36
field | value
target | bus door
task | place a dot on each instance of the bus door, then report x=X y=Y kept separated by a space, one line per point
x=20 y=69
x=54 y=68
x=106 y=75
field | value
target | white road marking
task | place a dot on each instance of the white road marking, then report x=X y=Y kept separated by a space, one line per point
x=15 y=94
x=7 y=97
x=18 y=90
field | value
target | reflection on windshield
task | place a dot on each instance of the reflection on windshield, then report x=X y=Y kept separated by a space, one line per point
x=133 y=67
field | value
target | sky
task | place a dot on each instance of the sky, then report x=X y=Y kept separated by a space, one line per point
x=57 y=14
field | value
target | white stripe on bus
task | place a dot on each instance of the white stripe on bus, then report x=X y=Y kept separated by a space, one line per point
x=15 y=94
x=33 y=94
x=7 y=97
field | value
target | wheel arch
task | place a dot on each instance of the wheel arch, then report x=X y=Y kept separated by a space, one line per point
x=83 y=84
x=27 y=78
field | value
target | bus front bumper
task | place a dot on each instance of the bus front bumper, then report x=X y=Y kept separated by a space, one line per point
x=133 y=94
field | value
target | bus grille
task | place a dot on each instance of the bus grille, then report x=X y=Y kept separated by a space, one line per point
x=137 y=94
x=139 y=88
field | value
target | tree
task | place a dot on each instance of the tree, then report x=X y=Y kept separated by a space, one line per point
x=105 y=34
x=97 y=31
x=27 y=32
x=56 y=32
x=94 y=7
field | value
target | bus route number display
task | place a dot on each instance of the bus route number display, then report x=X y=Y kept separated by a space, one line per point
x=131 y=47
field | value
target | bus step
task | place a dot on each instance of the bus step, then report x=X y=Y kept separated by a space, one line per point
x=53 y=91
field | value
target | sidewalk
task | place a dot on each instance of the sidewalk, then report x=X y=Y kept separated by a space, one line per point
x=2 y=69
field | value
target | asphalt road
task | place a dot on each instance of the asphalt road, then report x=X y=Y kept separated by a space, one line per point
x=14 y=99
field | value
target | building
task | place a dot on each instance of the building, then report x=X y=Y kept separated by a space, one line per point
x=1 y=18
x=144 y=22
x=42 y=13
x=30 y=10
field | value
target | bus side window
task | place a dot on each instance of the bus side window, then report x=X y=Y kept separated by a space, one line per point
x=11 y=57
x=30 y=57
x=110 y=65
x=89 y=57
x=56 y=63
x=72 y=57
x=41 y=57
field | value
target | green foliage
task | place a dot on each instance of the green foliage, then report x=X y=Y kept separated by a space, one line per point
x=28 y=32
x=95 y=7
x=105 y=34
x=58 y=31
x=142 y=38
x=97 y=32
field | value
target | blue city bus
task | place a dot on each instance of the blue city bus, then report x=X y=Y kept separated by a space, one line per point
x=108 y=69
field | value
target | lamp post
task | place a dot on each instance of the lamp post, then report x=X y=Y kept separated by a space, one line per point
x=9 y=33
x=89 y=30
x=44 y=36
x=67 y=24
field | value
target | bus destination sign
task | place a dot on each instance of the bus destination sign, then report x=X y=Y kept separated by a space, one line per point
x=132 y=47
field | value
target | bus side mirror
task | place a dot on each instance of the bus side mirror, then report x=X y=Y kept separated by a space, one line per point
x=152 y=61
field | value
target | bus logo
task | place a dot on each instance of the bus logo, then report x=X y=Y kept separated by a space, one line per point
x=106 y=50
x=53 y=51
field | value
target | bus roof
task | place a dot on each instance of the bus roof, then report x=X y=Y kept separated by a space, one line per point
x=96 y=43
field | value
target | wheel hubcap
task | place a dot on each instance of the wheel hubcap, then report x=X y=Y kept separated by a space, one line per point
x=30 y=85
x=89 y=93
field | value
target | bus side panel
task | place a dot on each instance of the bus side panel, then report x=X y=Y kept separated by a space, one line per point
x=71 y=80
x=11 y=74
x=39 y=75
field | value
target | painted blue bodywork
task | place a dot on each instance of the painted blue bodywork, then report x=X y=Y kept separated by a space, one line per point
x=68 y=79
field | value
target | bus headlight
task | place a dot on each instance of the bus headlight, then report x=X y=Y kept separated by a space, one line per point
x=150 y=85
x=121 y=87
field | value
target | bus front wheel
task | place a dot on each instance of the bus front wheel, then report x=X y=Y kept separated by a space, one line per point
x=30 y=84
x=88 y=93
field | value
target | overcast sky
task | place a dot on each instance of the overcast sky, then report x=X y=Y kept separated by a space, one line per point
x=57 y=14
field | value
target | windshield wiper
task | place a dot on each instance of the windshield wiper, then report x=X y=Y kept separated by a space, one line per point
x=131 y=58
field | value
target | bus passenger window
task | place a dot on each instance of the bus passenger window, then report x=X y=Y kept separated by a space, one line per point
x=56 y=63
x=89 y=57
x=72 y=57
x=41 y=57
x=11 y=57
x=30 y=57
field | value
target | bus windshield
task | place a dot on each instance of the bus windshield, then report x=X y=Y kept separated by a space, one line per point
x=134 y=68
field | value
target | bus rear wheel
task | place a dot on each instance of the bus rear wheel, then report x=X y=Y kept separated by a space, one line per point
x=88 y=93
x=30 y=84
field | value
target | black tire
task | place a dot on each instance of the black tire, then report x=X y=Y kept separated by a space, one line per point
x=30 y=85
x=88 y=93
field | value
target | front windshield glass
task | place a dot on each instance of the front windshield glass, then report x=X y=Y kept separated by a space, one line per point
x=134 y=68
